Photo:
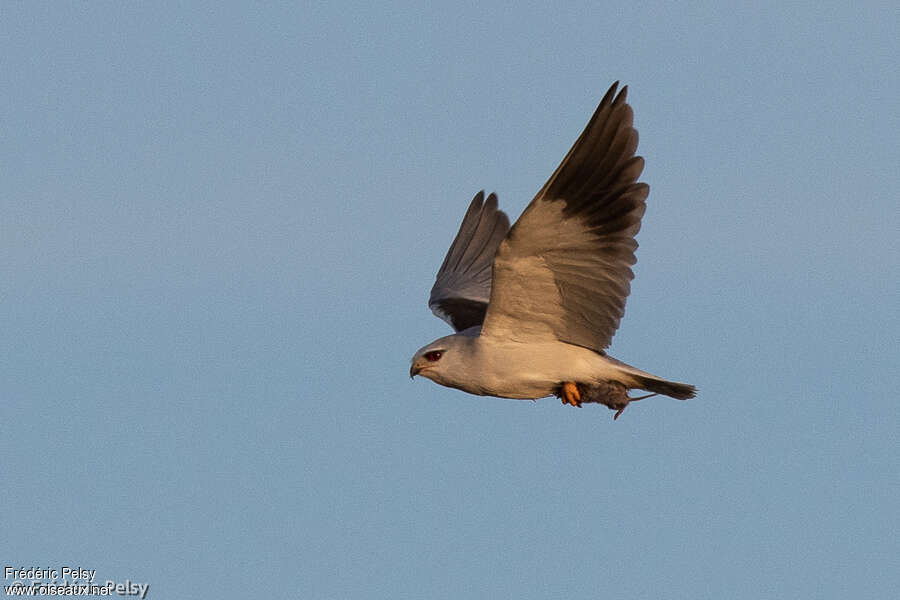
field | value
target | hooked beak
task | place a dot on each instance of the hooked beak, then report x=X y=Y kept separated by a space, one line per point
x=414 y=370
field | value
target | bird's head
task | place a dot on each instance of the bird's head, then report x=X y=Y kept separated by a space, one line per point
x=438 y=360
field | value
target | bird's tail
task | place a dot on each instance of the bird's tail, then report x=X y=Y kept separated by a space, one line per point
x=647 y=381
x=673 y=389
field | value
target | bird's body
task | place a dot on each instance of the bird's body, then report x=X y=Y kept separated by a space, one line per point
x=488 y=366
x=536 y=305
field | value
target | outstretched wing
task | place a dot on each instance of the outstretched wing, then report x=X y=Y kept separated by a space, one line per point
x=563 y=271
x=462 y=288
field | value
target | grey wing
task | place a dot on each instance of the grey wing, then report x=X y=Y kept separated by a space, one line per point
x=564 y=269
x=462 y=288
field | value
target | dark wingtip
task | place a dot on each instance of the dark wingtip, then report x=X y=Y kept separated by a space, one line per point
x=610 y=93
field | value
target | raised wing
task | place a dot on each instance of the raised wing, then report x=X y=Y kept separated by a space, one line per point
x=563 y=271
x=462 y=288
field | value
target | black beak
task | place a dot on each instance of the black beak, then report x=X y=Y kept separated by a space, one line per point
x=413 y=371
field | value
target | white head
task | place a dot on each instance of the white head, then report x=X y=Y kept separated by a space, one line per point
x=443 y=360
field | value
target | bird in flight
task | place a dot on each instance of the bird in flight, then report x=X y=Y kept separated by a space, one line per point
x=536 y=305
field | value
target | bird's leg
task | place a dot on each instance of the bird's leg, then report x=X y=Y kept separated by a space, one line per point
x=570 y=394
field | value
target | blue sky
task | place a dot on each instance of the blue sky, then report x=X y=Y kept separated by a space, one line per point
x=219 y=225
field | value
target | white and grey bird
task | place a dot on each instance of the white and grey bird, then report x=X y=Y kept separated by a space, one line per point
x=535 y=306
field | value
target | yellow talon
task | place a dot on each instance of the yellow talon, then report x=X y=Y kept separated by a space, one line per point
x=570 y=394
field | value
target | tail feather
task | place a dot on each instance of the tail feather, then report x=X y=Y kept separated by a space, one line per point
x=647 y=381
x=680 y=391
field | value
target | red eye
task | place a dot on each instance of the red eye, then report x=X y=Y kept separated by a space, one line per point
x=433 y=355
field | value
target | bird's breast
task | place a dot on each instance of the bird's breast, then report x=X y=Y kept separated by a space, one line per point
x=520 y=370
